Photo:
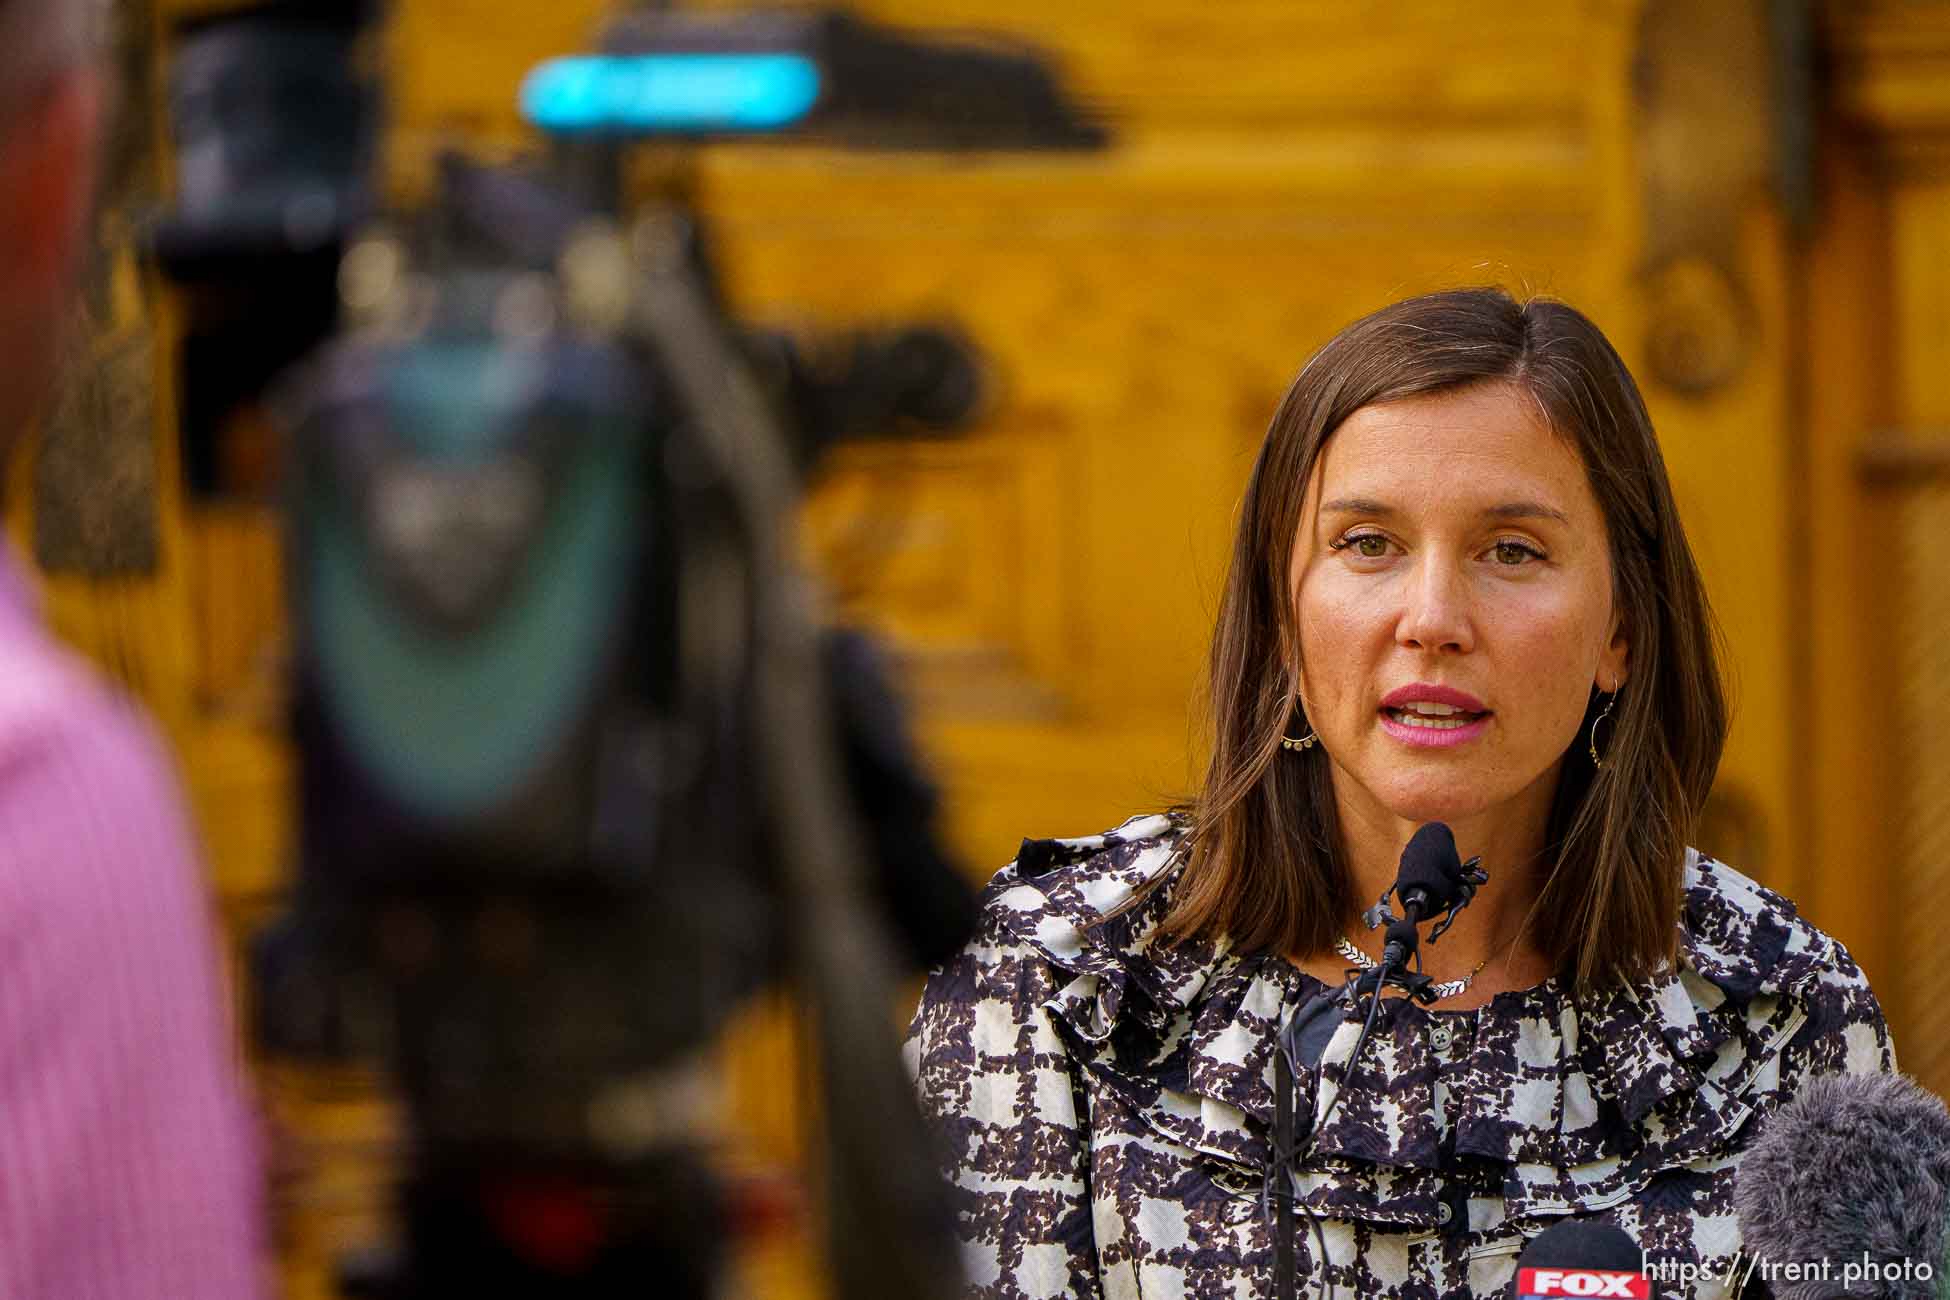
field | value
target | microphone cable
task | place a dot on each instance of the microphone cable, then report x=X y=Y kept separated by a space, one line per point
x=1433 y=872
x=1285 y=1159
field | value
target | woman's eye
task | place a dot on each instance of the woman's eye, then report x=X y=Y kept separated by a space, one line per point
x=1370 y=546
x=1374 y=546
x=1514 y=553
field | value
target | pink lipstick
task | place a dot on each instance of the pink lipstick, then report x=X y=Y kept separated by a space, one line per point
x=1428 y=715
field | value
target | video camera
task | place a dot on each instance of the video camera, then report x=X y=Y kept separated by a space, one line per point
x=579 y=771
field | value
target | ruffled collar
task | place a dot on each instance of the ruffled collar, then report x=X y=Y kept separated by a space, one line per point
x=1583 y=1097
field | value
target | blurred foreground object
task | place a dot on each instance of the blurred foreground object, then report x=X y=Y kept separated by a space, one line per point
x=1849 y=1183
x=578 y=773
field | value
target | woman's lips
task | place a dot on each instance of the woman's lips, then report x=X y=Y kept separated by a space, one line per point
x=1431 y=693
x=1435 y=737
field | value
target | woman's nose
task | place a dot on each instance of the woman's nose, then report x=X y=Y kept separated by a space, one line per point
x=1437 y=615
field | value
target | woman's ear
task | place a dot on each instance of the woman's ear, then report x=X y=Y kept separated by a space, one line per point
x=1614 y=665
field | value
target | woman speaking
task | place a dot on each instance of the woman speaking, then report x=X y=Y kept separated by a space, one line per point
x=1460 y=593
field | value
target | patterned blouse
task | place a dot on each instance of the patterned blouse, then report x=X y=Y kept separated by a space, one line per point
x=1106 y=1103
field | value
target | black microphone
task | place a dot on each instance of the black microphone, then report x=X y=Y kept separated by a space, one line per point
x=1579 y=1258
x=1433 y=877
x=1428 y=882
x=1400 y=941
x=1846 y=1191
x=1430 y=879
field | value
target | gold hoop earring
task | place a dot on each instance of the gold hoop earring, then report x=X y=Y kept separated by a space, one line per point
x=1298 y=743
x=1592 y=743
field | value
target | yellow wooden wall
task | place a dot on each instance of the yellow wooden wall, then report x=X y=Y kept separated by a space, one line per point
x=1279 y=168
x=1891 y=521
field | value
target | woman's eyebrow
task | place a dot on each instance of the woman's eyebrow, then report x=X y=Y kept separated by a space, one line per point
x=1356 y=506
x=1527 y=510
x=1507 y=510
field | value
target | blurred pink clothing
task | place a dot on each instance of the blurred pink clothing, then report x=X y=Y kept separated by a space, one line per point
x=129 y=1160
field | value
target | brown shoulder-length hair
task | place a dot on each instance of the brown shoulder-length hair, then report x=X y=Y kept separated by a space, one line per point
x=1265 y=864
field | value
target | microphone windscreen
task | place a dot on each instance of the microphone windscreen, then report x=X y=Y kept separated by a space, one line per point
x=1854 y=1165
x=1431 y=863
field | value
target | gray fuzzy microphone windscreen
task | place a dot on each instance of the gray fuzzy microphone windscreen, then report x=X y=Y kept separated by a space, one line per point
x=1850 y=1181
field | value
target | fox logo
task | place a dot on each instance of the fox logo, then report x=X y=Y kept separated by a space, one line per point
x=1583 y=1283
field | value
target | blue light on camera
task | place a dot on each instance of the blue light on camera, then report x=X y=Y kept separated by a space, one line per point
x=670 y=92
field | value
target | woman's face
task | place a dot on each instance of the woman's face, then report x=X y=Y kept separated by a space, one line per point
x=1454 y=597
